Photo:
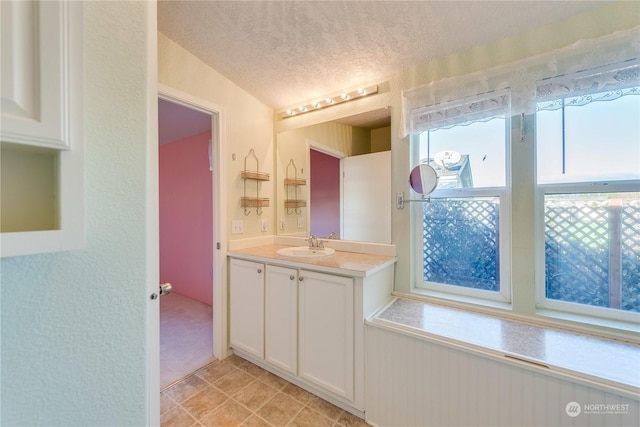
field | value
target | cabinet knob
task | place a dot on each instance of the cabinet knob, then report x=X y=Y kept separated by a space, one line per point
x=259 y=270
x=301 y=278
x=292 y=277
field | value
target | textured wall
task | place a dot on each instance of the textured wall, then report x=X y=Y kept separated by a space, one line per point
x=73 y=323
x=186 y=212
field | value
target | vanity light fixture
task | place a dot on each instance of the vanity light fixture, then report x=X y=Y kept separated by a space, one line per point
x=332 y=100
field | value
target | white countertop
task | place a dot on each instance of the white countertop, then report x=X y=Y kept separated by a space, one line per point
x=608 y=362
x=346 y=263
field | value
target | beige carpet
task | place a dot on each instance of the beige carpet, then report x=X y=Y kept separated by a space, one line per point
x=186 y=337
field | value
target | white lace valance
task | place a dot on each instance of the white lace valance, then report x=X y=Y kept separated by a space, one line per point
x=479 y=107
x=523 y=78
x=604 y=83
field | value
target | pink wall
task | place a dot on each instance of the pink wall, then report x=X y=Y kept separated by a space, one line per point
x=186 y=217
x=325 y=194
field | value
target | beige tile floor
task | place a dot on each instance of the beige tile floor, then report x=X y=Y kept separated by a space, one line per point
x=234 y=392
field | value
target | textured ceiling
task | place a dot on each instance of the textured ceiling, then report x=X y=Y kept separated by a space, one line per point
x=288 y=52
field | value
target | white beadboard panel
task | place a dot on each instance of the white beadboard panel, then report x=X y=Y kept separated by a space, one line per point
x=412 y=381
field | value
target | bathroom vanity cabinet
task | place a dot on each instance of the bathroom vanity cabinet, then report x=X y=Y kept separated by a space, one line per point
x=305 y=322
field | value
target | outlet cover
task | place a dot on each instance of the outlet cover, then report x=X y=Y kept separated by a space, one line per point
x=237 y=227
x=283 y=223
x=300 y=222
x=264 y=226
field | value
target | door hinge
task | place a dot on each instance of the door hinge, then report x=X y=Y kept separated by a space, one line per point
x=218 y=245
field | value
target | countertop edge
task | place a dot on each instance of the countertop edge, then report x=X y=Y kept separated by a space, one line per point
x=357 y=265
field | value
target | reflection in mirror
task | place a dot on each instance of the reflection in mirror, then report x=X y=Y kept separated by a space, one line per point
x=360 y=145
x=423 y=179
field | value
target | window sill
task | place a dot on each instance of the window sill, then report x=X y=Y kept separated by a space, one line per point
x=610 y=364
x=593 y=322
x=620 y=330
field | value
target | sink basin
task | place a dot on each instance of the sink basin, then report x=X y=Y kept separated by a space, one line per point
x=306 y=252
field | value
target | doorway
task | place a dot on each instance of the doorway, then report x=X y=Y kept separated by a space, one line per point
x=188 y=146
x=325 y=199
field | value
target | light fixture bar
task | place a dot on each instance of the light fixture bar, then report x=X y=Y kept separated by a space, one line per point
x=331 y=101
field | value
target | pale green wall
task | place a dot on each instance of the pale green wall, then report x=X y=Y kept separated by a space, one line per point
x=73 y=323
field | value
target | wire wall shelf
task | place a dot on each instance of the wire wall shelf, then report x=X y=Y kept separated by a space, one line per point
x=292 y=183
x=250 y=202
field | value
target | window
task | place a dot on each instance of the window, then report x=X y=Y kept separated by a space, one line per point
x=537 y=211
x=463 y=250
x=588 y=174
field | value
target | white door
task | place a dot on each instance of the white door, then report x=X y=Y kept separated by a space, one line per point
x=281 y=318
x=326 y=331
x=367 y=198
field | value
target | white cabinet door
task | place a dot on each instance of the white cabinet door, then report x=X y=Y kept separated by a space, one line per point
x=246 y=317
x=326 y=332
x=281 y=318
x=41 y=63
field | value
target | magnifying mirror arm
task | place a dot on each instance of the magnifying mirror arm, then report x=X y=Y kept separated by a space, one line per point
x=400 y=200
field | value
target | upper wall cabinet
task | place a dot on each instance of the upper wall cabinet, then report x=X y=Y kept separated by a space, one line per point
x=41 y=127
x=38 y=60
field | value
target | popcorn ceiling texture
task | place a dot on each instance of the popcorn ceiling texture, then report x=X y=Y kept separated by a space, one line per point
x=73 y=323
x=288 y=52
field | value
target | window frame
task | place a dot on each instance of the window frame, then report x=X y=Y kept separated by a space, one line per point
x=543 y=303
x=503 y=297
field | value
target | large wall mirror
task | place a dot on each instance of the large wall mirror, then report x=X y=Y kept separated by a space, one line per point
x=334 y=179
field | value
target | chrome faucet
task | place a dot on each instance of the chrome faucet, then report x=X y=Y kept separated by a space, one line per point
x=315 y=243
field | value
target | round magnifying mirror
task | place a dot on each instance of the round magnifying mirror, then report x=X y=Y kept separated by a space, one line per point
x=423 y=179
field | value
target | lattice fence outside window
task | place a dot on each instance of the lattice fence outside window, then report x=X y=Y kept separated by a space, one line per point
x=592 y=251
x=460 y=243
